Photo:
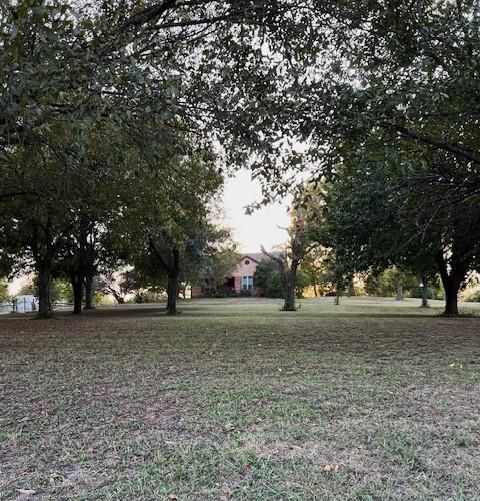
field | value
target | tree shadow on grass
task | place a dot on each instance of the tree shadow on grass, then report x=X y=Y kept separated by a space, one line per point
x=216 y=311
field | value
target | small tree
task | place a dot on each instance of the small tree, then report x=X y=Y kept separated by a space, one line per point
x=298 y=247
x=120 y=285
x=395 y=281
x=337 y=274
x=219 y=264
x=313 y=266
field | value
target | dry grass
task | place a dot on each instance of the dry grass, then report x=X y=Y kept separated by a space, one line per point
x=236 y=400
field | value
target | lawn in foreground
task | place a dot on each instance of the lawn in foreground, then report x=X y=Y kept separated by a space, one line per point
x=237 y=400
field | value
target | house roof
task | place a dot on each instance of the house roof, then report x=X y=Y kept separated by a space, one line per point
x=260 y=256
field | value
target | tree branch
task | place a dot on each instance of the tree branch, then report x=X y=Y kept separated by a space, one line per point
x=272 y=257
x=158 y=255
x=150 y=13
x=453 y=148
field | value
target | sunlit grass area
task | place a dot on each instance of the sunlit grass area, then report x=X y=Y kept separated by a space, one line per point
x=233 y=399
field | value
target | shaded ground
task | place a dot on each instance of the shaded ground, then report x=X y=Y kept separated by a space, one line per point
x=237 y=400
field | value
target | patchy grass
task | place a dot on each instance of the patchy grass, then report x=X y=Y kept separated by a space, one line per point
x=234 y=399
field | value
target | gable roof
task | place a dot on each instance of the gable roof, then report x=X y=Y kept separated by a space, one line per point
x=259 y=256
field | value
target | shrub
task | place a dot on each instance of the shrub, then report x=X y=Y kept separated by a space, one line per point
x=274 y=285
x=474 y=298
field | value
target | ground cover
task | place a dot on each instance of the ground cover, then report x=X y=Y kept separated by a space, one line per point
x=234 y=399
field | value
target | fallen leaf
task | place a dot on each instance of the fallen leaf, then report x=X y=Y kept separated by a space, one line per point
x=229 y=427
x=331 y=467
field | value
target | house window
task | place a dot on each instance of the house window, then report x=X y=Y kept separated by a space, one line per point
x=247 y=283
x=247 y=261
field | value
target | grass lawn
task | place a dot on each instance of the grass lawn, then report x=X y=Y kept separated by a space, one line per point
x=234 y=399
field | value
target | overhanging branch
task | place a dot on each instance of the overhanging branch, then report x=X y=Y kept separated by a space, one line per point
x=454 y=148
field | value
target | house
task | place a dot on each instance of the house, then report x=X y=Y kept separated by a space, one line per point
x=242 y=279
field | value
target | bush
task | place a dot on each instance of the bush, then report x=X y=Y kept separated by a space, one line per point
x=474 y=298
x=220 y=293
x=416 y=292
x=274 y=285
x=435 y=291
x=263 y=272
x=302 y=283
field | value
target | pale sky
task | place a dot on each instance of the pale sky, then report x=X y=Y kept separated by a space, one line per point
x=260 y=228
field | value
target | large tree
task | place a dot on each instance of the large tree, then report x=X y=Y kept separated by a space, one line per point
x=376 y=218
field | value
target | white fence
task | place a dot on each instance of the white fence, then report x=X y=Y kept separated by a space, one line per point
x=5 y=308
x=20 y=304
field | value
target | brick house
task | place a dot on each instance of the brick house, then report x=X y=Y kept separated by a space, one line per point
x=242 y=279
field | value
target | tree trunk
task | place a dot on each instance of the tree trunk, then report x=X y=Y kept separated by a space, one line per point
x=77 y=286
x=89 y=293
x=172 y=295
x=451 y=283
x=336 y=301
x=315 y=290
x=290 y=282
x=118 y=298
x=399 y=290
x=451 y=297
x=44 y=277
x=173 y=285
x=424 y=293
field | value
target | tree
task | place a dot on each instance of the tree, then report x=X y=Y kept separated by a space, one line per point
x=393 y=79
x=403 y=74
x=68 y=66
x=392 y=281
x=121 y=284
x=338 y=274
x=274 y=286
x=197 y=255
x=218 y=264
x=298 y=247
x=33 y=230
x=377 y=218
x=313 y=266
x=70 y=71
x=301 y=283
x=170 y=222
x=57 y=100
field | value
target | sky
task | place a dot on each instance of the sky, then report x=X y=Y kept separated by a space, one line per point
x=260 y=228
